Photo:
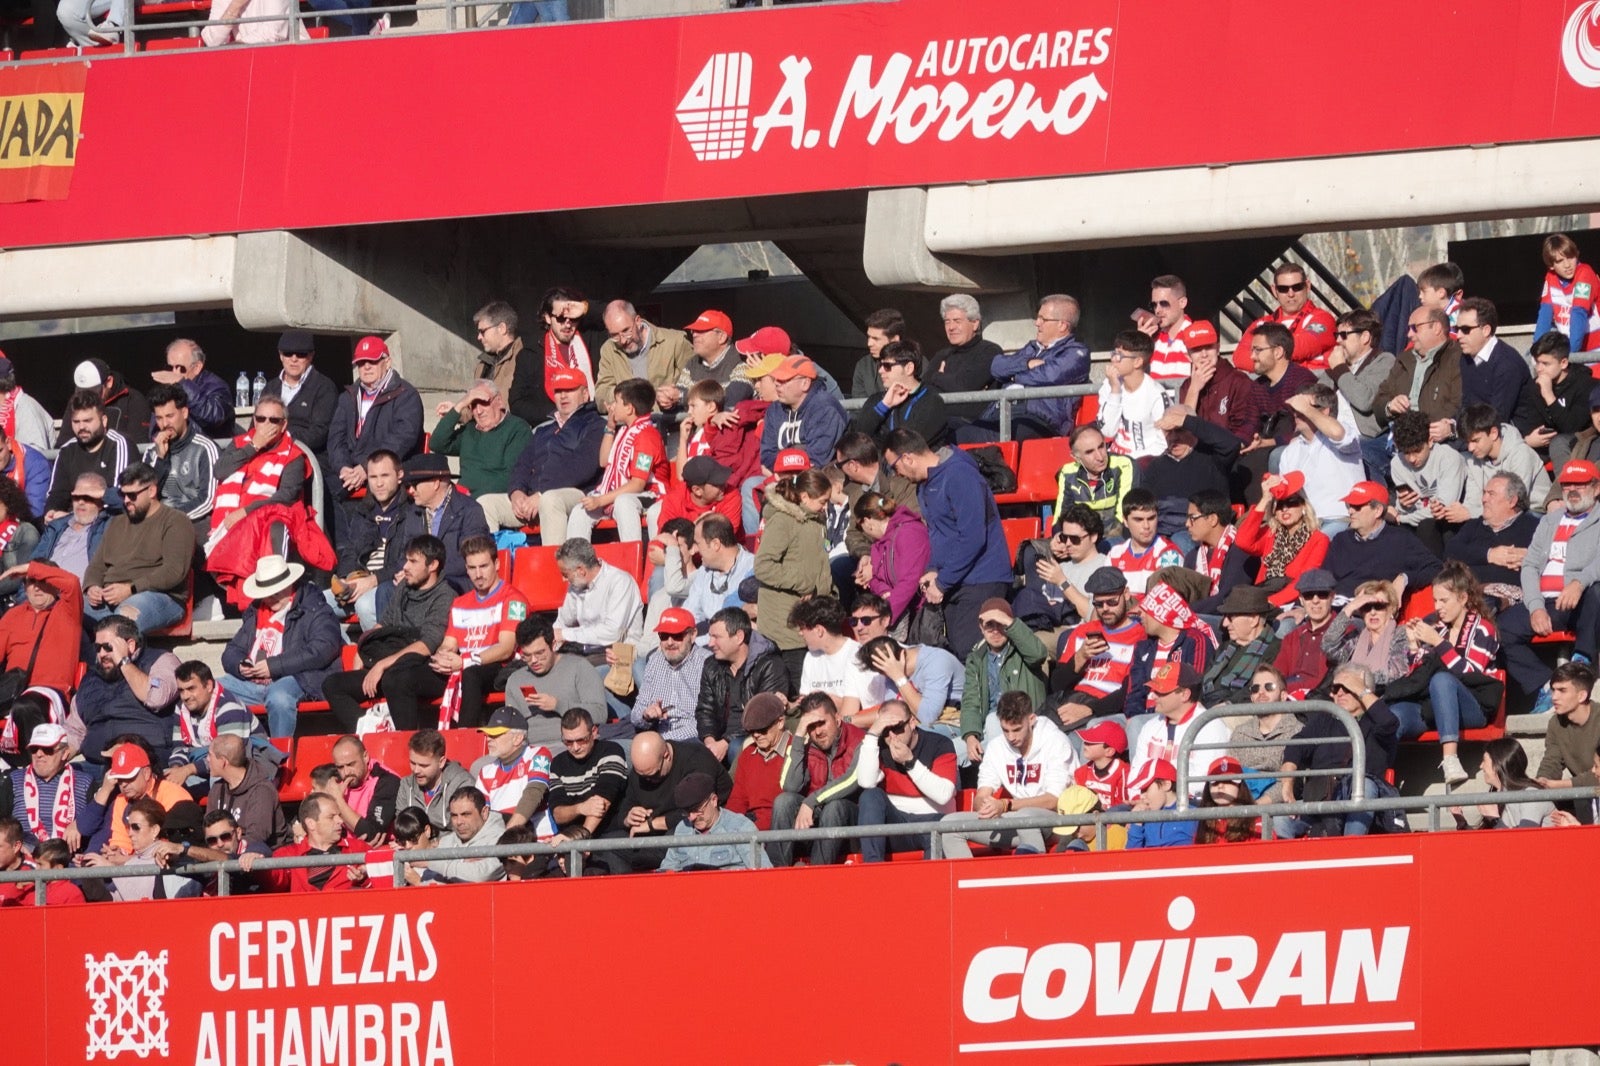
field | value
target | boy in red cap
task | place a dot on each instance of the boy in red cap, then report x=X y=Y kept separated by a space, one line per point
x=1105 y=762
x=1157 y=786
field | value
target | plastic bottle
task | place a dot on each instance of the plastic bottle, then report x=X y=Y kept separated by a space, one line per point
x=258 y=387
x=241 y=390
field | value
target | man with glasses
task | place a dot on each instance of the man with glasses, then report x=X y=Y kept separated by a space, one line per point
x=380 y=410
x=1093 y=671
x=1095 y=478
x=1279 y=378
x=1247 y=617
x=48 y=793
x=261 y=467
x=637 y=348
x=1352 y=690
x=500 y=336
x=744 y=664
x=547 y=683
x=1373 y=550
x=1358 y=372
x=185 y=460
x=142 y=567
x=1492 y=372
x=1425 y=377
x=1311 y=326
x=904 y=399
x=94 y=449
x=1055 y=356
x=488 y=439
x=562 y=347
x=669 y=688
x=1166 y=322
x=704 y=816
x=1055 y=569
x=309 y=396
x=711 y=338
x=224 y=840
x=1300 y=658
x=210 y=398
x=1131 y=401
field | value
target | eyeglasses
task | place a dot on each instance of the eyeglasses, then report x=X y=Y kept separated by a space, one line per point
x=1192 y=518
x=268 y=420
x=1042 y=318
x=1343 y=333
x=1257 y=350
x=1108 y=603
x=85 y=498
x=225 y=838
x=485 y=329
x=181 y=368
x=1264 y=686
x=1284 y=290
x=565 y=320
x=858 y=620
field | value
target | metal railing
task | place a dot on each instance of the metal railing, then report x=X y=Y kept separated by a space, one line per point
x=1007 y=397
x=1356 y=771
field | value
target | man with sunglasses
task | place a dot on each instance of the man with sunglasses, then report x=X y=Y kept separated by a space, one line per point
x=1097 y=655
x=1300 y=657
x=1373 y=550
x=1357 y=370
x=47 y=794
x=907 y=775
x=261 y=467
x=669 y=688
x=561 y=347
x=142 y=567
x=308 y=394
x=210 y=398
x=1312 y=327
x=380 y=410
x=1165 y=321
x=223 y=840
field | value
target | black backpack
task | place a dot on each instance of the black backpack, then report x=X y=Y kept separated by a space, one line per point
x=995 y=470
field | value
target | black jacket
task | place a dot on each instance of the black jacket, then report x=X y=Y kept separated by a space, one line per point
x=1570 y=412
x=127 y=412
x=367 y=529
x=311 y=410
x=528 y=400
x=394 y=423
x=723 y=695
x=462 y=518
x=923 y=411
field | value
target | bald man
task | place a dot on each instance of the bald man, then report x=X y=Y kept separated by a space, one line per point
x=364 y=790
x=647 y=808
x=247 y=789
x=635 y=348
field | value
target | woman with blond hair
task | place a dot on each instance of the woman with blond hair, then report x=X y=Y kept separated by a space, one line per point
x=1282 y=531
x=1366 y=634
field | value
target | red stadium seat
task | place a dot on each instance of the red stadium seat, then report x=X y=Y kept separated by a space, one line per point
x=1493 y=731
x=1418 y=603
x=309 y=753
x=535 y=575
x=1040 y=462
x=163 y=44
x=1088 y=410
x=627 y=557
x=465 y=746
x=1019 y=530
x=1009 y=450
x=391 y=749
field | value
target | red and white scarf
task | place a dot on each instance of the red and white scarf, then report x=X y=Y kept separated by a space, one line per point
x=205 y=730
x=254 y=481
x=575 y=357
x=58 y=716
x=1211 y=559
x=8 y=529
x=63 y=811
x=450 y=701
x=8 y=413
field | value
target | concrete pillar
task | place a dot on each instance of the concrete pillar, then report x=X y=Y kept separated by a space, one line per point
x=1564 y=1056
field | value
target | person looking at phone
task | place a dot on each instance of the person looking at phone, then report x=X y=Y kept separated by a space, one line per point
x=1423 y=472
x=1094 y=664
x=548 y=683
x=670 y=687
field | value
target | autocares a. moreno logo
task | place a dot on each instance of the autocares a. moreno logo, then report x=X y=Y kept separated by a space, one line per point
x=972 y=88
x=1579 y=54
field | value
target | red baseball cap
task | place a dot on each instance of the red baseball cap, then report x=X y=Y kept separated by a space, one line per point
x=1108 y=733
x=1161 y=770
x=1226 y=766
x=1366 y=492
x=566 y=379
x=127 y=761
x=1170 y=677
x=791 y=461
x=1579 y=472
x=369 y=350
x=795 y=366
x=1292 y=484
x=710 y=320
x=1201 y=334
x=768 y=340
x=675 y=620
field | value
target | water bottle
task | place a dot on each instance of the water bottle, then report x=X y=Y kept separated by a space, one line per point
x=241 y=390
x=258 y=387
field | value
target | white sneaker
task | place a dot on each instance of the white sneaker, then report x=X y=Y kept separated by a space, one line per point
x=379 y=25
x=1454 y=773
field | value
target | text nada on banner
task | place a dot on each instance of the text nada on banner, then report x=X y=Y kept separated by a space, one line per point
x=41 y=119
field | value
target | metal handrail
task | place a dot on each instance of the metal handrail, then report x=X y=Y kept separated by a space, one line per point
x=1187 y=743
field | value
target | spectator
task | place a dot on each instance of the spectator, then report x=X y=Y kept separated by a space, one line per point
x=696 y=796
x=433 y=779
x=710 y=337
x=42 y=635
x=1247 y=617
x=1010 y=658
x=1214 y=390
x=791 y=561
x=635 y=459
x=48 y=793
x=1425 y=377
x=773 y=762
x=1566 y=305
x=210 y=398
x=435 y=509
x=1260 y=765
x=1282 y=531
x=548 y=683
x=1176 y=687
x=1558 y=590
x=204 y=713
x=185 y=460
x=963 y=365
x=261 y=468
x=1146 y=550
x=1358 y=371
x=971 y=561
x=1131 y=401
x=1166 y=323
x=1555 y=406
x=1440 y=287
x=587 y=780
x=858 y=457
x=562 y=347
x=1311 y=327
x=1505 y=769
x=1216 y=557
x=831 y=787
x=1155 y=788
x=1326 y=449
x=1280 y=379
x=1424 y=472
x=1454 y=670
x=224 y=840
x=286 y=647
x=1055 y=356
x=907 y=775
x=1095 y=656
x=1494 y=448
x=1324 y=745
x=1172 y=635
x=1492 y=372
x=1495 y=544
x=147 y=820
x=128 y=689
x=309 y=396
x=1200 y=456
x=368 y=524
x=832 y=660
x=669 y=687
x=515 y=775
x=1570 y=739
x=636 y=348
x=807 y=417
x=410 y=630
x=561 y=462
x=713 y=431
x=471 y=661
x=472 y=825
x=324 y=835
x=744 y=664
x=364 y=790
x=14 y=859
x=499 y=334
x=94 y=449
x=1301 y=661
x=1366 y=633
x=1105 y=763
x=488 y=445
x=905 y=400
x=246 y=788
x=926 y=679
x=899 y=556
x=884 y=327
x=649 y=808
x=129 y=779
x=265 y=31
x=73 y=539
x=28 y=469
x=1227 y=788
x=1095 y=478
x=706 y=487
x=1032 y=763
x=1373 y=550
x=379 y=411
x=602 y=606
x=714 y=583
x=22 y=417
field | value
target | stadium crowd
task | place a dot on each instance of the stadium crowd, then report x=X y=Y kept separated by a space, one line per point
x=827 y=624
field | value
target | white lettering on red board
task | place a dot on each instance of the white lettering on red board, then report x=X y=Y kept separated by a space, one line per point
x=1194 y=974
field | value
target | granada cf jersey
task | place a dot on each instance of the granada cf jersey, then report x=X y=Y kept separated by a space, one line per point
x=1170 y=361
x=637 y=452
x=1565 y=296
x=503 y=785
x=478 y=621
x=1138 y=566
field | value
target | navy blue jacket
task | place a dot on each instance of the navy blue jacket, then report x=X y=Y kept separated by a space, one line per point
x=210 y=404
x=1396 y=550
x=311 y=643
x=1499 y=382
x=1066 y=362
x=561 y=456
x=394 y=423
x=53 y=531
x=463 y=518
x=969 y=544
x=815 y=427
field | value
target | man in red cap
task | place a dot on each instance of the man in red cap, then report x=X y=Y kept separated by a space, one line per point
x=379 y=411
x=1177 y=690
x=710 y=335
x=669 y=687
x=1558 y=584
x=561 y=461
x=807 y=416
x=1311 y=326
x=1373 y=550
x=130 y=777
x=1214 y=390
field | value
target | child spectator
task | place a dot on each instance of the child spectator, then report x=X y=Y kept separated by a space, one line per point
x=1105 y=762
x=1567 y=303
x=1157 y=786
x=635 y=456
x=726 y=436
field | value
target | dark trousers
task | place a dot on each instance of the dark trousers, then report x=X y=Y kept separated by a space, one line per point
x=1526 y=670
x=828 y=815
x=874 y=808
x=962 y=605
x=411 y=687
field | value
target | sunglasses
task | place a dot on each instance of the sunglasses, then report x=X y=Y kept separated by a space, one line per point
x=1284 y=290
x=268 y=420
x=676 y=637
x=864 y=619
x=102 y=647
x=1335 y=690
x=565 y=320
x=1263 y=686
x=1159 y=303
x=368 y=362
x=135 y=825
x=179 y=367
x=1343 y=333
x=1108 y=603
x=83 y=498
x=1327 y=595
x=1292 y=501
x=897 y=728
x=225 y=838
x=48 y=751
x=1369 y=608
x=1072 y=538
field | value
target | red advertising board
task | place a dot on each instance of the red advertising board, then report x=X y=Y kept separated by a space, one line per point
x=1380 y=946
x=797 y=99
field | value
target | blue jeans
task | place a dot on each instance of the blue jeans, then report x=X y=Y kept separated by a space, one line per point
x=357 y=25
x=149 y=610
x=281 y=697
x=873 y=808
x=1375 y=455
x=750 y=513
x=1454 y=706
x=531 y=11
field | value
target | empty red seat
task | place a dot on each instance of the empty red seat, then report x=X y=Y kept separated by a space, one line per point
x=309 y=753
x=1037 y=466
x=465 y=746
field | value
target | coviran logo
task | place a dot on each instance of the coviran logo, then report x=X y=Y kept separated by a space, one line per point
x=39 y=129
x=1192 y=975
x=906 y=97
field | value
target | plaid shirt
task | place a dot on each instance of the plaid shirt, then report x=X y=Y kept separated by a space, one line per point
x=677 y=689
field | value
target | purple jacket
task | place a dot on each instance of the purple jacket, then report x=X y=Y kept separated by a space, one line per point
x=899 y=559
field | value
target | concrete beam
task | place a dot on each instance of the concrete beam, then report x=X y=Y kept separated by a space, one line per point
x=181 y=274
x=1299 y=196
x=896 y=257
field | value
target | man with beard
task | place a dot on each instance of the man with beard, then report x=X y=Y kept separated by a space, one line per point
x=562 y=347
x=1093 y=670
x=141 y=569
x=636 y=348
x=363 y=789
x=670 y=687
x=185 y=460
x=210 y=398
x=368 y=524
x=94 y=449
x=379 y=411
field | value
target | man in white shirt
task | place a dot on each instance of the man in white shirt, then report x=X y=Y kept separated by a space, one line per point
x=1326 y=449
x=1023 y=772
x=602 y=606
x=832 y=660
x=1177 y=688
x=1130 y=399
